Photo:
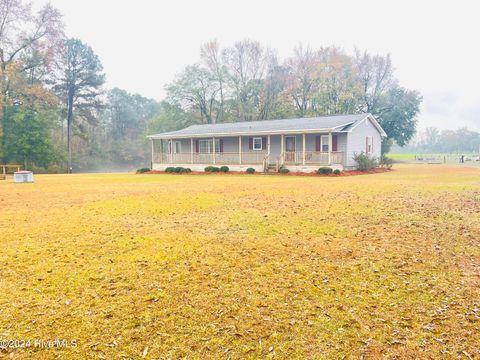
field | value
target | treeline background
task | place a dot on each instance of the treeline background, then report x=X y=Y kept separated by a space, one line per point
x=57 y=113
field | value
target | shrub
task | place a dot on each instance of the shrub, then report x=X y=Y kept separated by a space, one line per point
x=170 y=169
x=250 y=170
x=386 y=162
x=337 y=172
x=212 y=169
x=324 y=170
x=224 y=169
x=365 y=162
x=143 y=170
x=185 y=170
x=188 y=170
x=283 y=170
x=178 y=169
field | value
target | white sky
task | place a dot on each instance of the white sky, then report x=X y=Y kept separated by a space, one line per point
x=434 y=45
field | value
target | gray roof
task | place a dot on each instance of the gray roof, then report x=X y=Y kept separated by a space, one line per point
x=336 y=123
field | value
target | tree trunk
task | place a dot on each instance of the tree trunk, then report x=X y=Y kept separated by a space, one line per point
x=69 y=128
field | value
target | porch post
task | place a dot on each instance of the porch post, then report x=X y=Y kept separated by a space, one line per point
x=282 y=156
x=303 y=145
x=170 y=152
x=213 y=141
x=330 y=148
x=161 y=151
x=191 y=150
x=268 y=148
x=153 y=152
x=240 y=150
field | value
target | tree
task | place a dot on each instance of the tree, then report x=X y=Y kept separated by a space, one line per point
x=247 y=63
x=27 y=42
x=398 y=115
x=126 y=117
x=211 y=57
x=78 y=85
x=304 y=78
x=27 y=135
x=196 y=90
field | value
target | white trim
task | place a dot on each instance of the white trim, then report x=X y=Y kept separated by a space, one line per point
x=253 y=143
x=232 y=134
x=295 y=143
x=321 y=142
x=374 y=122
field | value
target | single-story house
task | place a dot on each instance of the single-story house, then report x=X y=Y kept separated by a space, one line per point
x=302 y=144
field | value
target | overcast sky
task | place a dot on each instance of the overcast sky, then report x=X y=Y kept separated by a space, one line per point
x=434 y=45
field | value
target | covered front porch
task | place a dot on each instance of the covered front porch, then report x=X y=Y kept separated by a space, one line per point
x=263 y=152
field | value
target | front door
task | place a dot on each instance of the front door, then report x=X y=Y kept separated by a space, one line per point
x=290 y=149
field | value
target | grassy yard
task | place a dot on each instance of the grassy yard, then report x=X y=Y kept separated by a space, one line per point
x=224 y=266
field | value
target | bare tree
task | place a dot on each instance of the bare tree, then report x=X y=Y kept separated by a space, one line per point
x=247 y=62
x=304 y=68
x=210 y=55
x=375 y=74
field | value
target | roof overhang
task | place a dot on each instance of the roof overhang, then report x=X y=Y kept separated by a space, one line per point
x=373 y=121
x=245 y=133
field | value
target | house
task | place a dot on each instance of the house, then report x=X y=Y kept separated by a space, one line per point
x=302 y=144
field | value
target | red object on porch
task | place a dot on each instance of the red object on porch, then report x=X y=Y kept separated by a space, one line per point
x=221 y=145
x=250 y=143
x=264 y=143
x=317 y=143
x=334 y=143
x=197 y=146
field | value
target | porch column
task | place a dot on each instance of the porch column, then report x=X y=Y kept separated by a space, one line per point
x=191 y=150
x=282 y=156
x=240 y=150
x=213 y=141
x=170 y=150
x=268 y=148
x=329 y=148
x=153 y=153
x=303 y=145
x=161 y=151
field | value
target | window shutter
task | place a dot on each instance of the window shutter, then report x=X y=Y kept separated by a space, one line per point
x=334 y=143
x=221 y=145
x=372 y=144
x=317 y=143
x=197 y=146
x=366 y=145
x=250 y=143
x=264 y=143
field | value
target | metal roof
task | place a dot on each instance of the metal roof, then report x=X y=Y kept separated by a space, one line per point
x=324 y=123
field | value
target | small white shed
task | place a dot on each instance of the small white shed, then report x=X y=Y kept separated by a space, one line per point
x=23 y=177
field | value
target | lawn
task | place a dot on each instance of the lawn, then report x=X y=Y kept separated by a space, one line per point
x=223 y=266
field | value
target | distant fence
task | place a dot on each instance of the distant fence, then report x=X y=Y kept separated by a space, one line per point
x=442 y=159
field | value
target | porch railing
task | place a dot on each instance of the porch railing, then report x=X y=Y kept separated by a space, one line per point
x=252 y=157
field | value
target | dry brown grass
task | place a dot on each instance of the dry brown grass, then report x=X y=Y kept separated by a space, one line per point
x=165 y=266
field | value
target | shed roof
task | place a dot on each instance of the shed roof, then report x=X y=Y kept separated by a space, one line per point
x=337 y=123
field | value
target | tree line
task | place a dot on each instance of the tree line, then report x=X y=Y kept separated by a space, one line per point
x=248 y=82
x=435 y=141
x=55 y=112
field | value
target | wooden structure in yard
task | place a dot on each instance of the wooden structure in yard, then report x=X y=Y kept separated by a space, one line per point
x=4 y=167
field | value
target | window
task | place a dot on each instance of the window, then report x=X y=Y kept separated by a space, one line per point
x=206 y=146
x=369 y=144
x=324 y=143
x=257 y=143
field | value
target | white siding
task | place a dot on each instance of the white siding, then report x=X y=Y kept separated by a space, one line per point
x=356 y=141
